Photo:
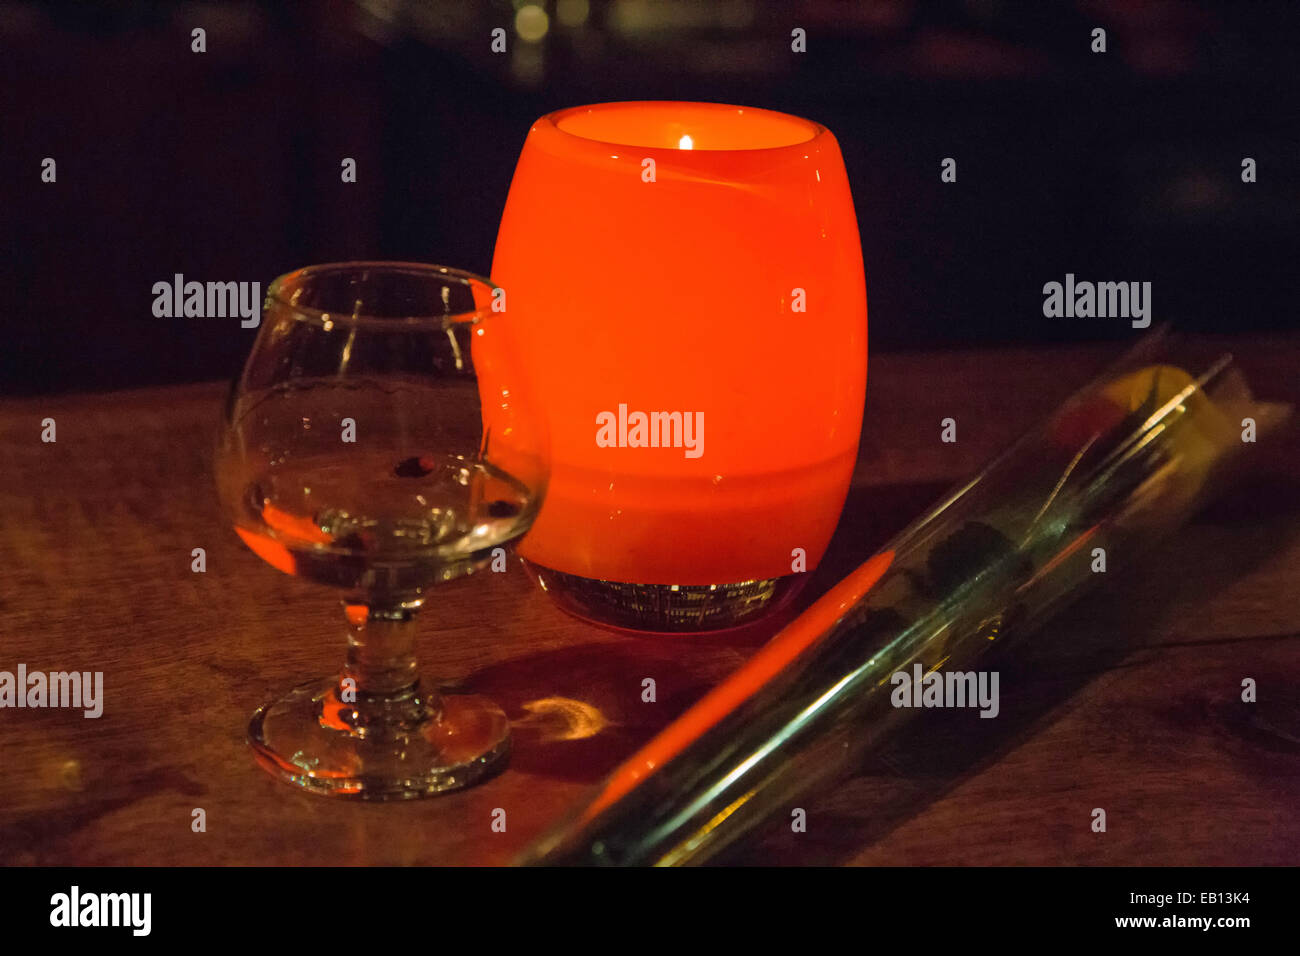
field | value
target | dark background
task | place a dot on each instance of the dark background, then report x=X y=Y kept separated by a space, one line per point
x=226 y=165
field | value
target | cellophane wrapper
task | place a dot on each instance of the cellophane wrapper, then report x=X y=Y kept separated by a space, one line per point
x=1119 y=465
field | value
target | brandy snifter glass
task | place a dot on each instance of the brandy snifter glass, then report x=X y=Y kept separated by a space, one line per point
x=364 y=448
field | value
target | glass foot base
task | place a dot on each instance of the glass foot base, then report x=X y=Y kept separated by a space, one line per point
x=396 y=747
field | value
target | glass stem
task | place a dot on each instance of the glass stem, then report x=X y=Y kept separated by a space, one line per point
x=381 y=663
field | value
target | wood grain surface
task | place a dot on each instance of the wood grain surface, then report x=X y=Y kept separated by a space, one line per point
x=1130 y=701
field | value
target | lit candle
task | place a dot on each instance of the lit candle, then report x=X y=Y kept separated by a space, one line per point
x=686 y=282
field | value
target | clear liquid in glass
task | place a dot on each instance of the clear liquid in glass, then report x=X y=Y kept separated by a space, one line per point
x=381 y=524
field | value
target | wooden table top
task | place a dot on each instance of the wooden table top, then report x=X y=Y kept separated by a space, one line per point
x=1135 y=703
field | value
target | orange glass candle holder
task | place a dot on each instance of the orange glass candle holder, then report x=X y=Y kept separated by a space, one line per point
x=687 y=284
